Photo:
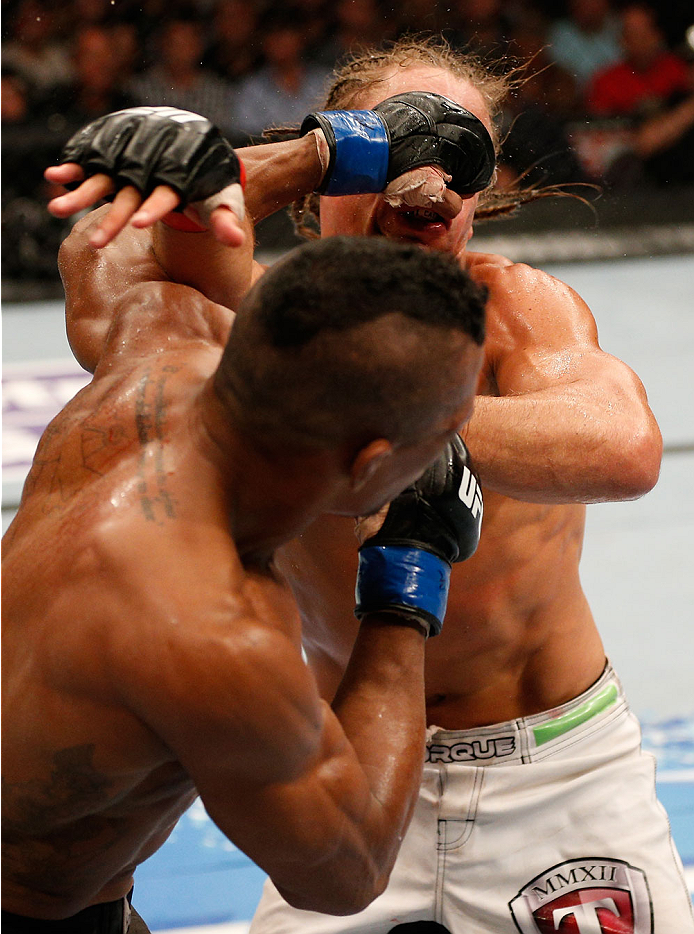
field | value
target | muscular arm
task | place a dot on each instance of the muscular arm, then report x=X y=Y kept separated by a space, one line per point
x=342 y=820
x=96 y=279
x=570 y=423
x=276 y=174
x=319 y=797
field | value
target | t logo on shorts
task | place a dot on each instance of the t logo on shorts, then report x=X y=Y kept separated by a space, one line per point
x=585 y=896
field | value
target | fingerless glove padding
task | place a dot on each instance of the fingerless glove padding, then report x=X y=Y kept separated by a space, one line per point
x=150 y=146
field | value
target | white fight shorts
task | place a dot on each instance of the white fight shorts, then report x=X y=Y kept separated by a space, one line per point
x=544 y=824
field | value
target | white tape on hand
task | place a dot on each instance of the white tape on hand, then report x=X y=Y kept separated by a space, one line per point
x=229 y=197
x=418 y=188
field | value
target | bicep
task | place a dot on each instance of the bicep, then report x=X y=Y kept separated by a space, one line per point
x=270 y=760
x=228 y=706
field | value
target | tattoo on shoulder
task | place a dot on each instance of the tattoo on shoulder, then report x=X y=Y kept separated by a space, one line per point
x=75 y=449
x=156 y=499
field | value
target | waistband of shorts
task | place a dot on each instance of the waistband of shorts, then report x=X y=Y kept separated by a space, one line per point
x=104 y=918
x=529 y=738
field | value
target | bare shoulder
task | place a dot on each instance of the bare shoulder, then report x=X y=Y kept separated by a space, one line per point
x=498 y=273
x=155 y=317
x=523 y=296
x=218 y=664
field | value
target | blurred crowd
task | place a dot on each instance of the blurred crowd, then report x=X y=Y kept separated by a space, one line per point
x=607 y=94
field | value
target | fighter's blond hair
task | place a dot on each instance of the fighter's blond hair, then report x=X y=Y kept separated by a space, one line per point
x=368 y=66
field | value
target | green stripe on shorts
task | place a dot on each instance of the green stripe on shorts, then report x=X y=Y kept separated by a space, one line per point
x=553 y=728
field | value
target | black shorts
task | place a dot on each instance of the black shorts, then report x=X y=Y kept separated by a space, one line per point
x=107 y=918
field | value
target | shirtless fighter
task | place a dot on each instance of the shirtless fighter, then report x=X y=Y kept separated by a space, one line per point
x=537 y=810
x=151 y=653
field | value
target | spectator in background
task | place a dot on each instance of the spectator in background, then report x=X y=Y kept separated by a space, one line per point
x=288 y=86
x=647 y=95
x=179 y=80
x=34 y=132
x=15 y=98
x=29 y=243
x=317 y=18
x=483 y=26
x=585 y=41
x=235 y=49
x=148 y=17
x=126 y=50
x=356 y=23
x=422 y=15
x=78 y=13
x=34 y=52
x=647 y=75
x=535 y=144
x=96 y=88
x=665 y=141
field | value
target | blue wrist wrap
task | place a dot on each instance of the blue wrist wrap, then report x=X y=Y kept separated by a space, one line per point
x=362 y=151
x=392 y=576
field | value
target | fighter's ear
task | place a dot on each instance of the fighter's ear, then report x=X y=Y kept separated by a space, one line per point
x=367 y=461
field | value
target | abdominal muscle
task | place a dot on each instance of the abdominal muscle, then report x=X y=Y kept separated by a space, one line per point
x=518 y=636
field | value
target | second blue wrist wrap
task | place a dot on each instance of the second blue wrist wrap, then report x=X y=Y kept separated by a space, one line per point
x=361 y=152
x=392 y=576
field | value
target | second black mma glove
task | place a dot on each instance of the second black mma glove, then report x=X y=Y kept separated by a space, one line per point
x=370 y=148
x=150 y=146
x=405 y=567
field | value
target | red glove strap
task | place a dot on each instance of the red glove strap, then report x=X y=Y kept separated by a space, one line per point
x=180 y=222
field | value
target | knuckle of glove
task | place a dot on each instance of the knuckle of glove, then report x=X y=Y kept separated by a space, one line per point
x=441 y=512
x=428 y=129
x=150 y=146
x=413 y=521
x=99 y=146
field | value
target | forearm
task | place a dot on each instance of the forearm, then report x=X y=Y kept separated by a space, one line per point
x=366 y=791
x=663 y=131
x=380 y=706
x=571 y=444
x=279 y=173
x=222 y=273
x=276 y=174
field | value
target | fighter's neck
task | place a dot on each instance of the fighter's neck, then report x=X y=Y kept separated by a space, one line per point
x=270 y=494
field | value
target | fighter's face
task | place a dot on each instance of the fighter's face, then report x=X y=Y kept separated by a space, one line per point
x=371 y=215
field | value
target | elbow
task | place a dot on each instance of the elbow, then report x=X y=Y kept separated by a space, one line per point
x=344 y=896
x=638 y=460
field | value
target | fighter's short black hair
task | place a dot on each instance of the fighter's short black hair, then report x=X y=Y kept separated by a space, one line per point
x=342 y=282
x=353 y=336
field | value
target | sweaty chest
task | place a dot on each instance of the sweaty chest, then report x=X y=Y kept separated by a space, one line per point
x=498 y=600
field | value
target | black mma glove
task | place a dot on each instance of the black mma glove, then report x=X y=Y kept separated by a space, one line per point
x=405 y=568
x=150 y=146
x=370 y=148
